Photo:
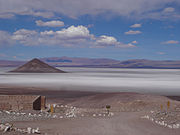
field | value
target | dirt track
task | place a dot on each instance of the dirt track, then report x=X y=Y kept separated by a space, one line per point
x=122 y=123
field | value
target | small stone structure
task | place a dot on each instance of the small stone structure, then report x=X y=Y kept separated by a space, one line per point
x=22 y=102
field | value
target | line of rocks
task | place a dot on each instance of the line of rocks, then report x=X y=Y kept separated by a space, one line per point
x=169 y=119
x=69 y=112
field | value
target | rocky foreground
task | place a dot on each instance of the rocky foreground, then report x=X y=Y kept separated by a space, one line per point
x=87 y=114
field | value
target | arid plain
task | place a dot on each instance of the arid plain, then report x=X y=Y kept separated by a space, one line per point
x=84 y=111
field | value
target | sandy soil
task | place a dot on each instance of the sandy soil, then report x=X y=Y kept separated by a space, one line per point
x=126 y=122
x=52 y=96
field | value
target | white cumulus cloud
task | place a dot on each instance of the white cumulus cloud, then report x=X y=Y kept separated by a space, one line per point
x=45 y=33
x=73 y=36
x=75 y=8
x=137 y=25
x=50 y=23
x=171 y=42
x=134 y=42
x=132 y=32
x=26 y=37
x=169 y=9
x=5 y=38
x=74 y=32
x=104 y=41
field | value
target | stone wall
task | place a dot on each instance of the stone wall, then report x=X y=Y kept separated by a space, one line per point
x=21 y=102
x=5 y=106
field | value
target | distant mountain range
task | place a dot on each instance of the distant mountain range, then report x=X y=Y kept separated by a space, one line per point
x=9 y=63
x=100 y=63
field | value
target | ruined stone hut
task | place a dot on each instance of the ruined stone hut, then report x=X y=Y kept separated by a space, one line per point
x=22 y=102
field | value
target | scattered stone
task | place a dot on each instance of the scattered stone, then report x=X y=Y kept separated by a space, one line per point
x=168 y=119
x=9 y=127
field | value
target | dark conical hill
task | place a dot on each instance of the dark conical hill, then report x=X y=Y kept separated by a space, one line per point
x=37 y=66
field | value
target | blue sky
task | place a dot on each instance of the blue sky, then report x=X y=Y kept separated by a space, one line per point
x=123 y=29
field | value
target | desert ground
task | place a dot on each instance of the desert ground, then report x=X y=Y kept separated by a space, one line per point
x=130 y=113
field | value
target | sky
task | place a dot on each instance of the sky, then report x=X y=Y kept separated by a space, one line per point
x=116 y=29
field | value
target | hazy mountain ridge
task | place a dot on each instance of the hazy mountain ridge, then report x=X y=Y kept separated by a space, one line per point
x=10 y=63
x=143 y=63
x=69 y=61
x=100 y=62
